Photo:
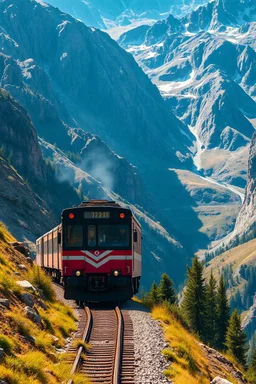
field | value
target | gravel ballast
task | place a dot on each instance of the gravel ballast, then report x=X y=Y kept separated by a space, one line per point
x=148 y=344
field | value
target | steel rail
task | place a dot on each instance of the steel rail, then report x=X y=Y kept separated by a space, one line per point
x=119 y=346
x=85 y=338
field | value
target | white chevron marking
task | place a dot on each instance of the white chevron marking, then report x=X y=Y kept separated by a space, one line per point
x=94 y=257
x=97 y=265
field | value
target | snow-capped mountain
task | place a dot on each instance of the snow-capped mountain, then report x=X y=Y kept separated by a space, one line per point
x=119 y=16
x=68 y=76
x=204 y=66
x=87 y=96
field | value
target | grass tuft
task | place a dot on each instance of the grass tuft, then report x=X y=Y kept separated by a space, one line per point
x=37 y=277
x=7 y=344
x=44 y=342
x=21 y=323
x=32 y=364
x=80 y=343
x=8 y=284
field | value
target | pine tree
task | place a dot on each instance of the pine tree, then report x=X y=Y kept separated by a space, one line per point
x=194 y=302
x=252 y=347
x=166 y=289
x=251 y=374
x=236 y=339
x=223 y=314
x=211 y=312
x=154 y=294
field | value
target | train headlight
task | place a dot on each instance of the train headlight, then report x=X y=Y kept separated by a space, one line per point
x=78 y=273
x=116 y=273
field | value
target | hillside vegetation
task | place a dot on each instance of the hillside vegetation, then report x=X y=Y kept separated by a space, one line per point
x=233 y=265
x=191 y=361
x=33 y=324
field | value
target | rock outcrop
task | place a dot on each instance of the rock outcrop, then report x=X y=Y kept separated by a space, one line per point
x=247 y=215
x=19 y=139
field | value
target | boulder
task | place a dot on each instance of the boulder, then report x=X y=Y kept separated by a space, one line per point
x=27 y=285
x=5 y=303
x=219 y=380
x=32 y=315
x=27 y=298
x=21 y=247
x=22 y=267
x=31 y=339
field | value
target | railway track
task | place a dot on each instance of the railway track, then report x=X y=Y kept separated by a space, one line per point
x=110 y=358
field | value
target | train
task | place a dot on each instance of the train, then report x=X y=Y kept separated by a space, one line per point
x=96 y=252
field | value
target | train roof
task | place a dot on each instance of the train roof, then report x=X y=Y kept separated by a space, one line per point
x=94 y=203
x=99 y=203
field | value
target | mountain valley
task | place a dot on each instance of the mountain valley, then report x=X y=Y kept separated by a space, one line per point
x=180 y=159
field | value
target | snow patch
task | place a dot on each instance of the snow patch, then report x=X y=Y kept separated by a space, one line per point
x=169 y=88
x=62 y=26
x=42 y=3
x=63 y=56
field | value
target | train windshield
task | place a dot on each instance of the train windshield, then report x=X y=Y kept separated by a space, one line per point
x=92 y=236
x=113 y=236
x=74 y=236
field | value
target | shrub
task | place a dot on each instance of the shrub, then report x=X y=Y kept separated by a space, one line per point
x=32 y=364
x=7 y=344
x=80 y=343
x=3 y=260
x=7 y=284
x=37 y=277
x=21 y=323
x=47 y=322
x=43 y=342
x=176 y=311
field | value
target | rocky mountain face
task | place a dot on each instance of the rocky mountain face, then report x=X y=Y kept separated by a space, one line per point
x=98 y=94
x=68 y=76
x=21 y=209
x=31 y=207
x=105 y=129
x=114 y=13
x=204 y=66
x=247 y=215
x=19 y=140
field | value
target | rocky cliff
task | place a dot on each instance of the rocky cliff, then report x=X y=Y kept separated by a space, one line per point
x=19 y=139
x=30 y=193
x=84 y=73
x=247 y=215
x=204 y=66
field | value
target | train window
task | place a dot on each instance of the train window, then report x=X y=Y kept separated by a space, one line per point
x=91 y=235
x=113 y=236
x=74 y=236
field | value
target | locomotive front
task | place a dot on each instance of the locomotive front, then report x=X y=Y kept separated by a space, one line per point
x=99 y=258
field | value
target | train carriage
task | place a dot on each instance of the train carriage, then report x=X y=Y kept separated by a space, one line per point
x=95 y=251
